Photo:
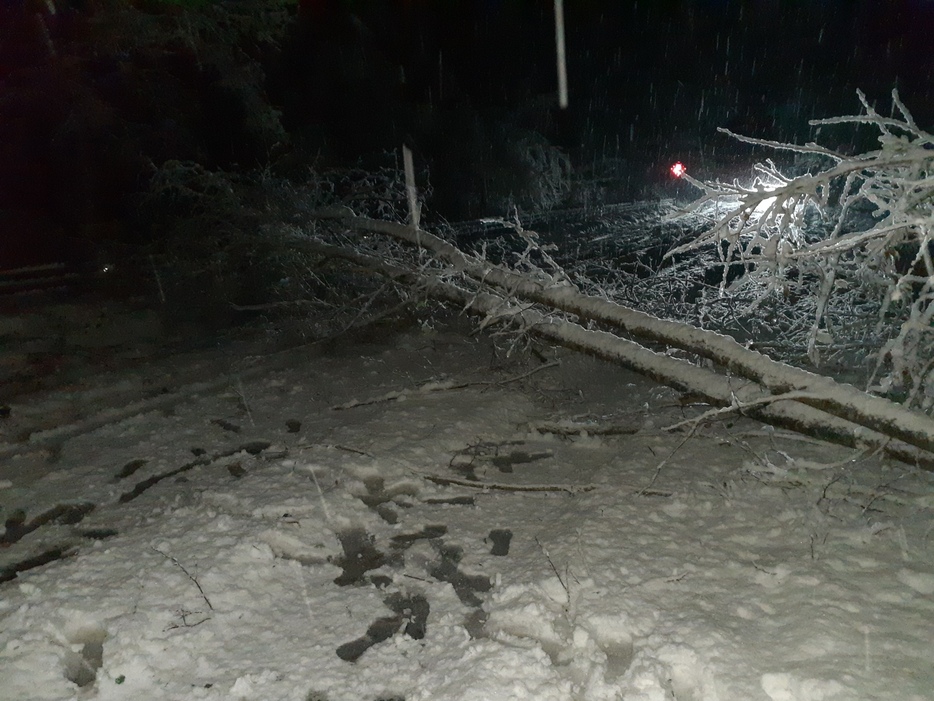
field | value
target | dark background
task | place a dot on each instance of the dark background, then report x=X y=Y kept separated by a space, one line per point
x=96 y=97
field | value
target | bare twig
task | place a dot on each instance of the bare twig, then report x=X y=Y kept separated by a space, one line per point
x=571 y=489
x=348 y=449
x=562 y=580
x=187 y=573
x=500 y=487
x=568 y=428
x=438 y=386
x=658 y=469
x=739 y=407
x=517 y=378
x=241 y=392
x=324 y=504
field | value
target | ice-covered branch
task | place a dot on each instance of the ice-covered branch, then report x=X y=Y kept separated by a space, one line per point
x=854 y=234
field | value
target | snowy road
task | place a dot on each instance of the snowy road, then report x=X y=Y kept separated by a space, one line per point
x=422 y=519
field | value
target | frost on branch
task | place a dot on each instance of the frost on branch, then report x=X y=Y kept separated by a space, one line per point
x=839 y=258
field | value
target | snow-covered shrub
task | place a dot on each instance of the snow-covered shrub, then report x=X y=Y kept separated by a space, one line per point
x=231 y=245
x=199 y=66
x=511 y=167
x=843 y=250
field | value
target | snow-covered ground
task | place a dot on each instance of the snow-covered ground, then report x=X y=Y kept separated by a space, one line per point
x=421 y=518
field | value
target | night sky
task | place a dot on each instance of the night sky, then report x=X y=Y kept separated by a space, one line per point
x=650 y=81
x=657 y=71
x=87 y=117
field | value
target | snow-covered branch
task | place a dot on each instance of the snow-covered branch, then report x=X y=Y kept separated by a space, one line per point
x=504 y=294
x=854 y=236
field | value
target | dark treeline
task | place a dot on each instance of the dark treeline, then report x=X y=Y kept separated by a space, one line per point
x=97 y=95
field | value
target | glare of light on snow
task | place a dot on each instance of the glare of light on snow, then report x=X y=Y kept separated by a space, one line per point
x=746 y=193
x=678 y=169
x=764 y=205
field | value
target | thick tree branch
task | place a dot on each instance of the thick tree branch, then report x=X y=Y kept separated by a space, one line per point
x=822 y=393
x=712 y=387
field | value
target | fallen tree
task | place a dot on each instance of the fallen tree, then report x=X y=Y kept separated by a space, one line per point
x=540 y=304
x=842 y=250
x=303 y=238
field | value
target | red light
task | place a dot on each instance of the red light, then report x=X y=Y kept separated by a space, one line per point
x=678 y=169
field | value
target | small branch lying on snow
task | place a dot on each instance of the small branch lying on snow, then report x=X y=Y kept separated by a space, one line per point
x=500 y=487
x=571 y=428
x=434 y=386
x=564 y=581
x=658 y=468
x=569 y=488
x=188 y=574
x=244 y=403
x=738 y=407
x=517 y=378
x=348 y=449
